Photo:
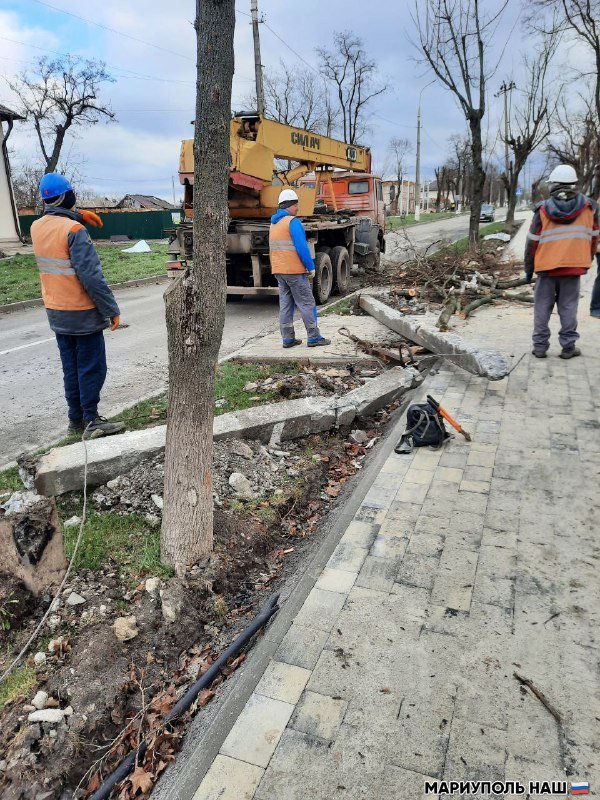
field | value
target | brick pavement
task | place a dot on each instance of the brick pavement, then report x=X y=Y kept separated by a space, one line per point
x=460 y=567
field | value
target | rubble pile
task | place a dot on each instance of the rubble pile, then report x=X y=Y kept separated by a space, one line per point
x=310 y=382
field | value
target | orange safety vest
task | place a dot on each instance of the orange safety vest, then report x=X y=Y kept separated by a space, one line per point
x=61 y=288
x=564 y=245
x=284 y=258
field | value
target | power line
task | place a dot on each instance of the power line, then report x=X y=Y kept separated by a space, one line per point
x=113 y=30
x=132 y=74
x=316 y=71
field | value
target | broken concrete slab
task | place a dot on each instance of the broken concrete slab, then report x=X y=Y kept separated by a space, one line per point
x=62 y=469
x=489 y=364
x=379 y=392
x=298 y=418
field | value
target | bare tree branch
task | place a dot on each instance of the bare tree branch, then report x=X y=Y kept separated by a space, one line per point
x=60 y=94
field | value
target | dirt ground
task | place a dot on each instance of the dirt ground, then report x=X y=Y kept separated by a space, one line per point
x=112 y=692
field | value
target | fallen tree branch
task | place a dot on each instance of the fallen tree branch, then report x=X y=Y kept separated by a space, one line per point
x=540 y=696
x=480 y=301
x=521 y=298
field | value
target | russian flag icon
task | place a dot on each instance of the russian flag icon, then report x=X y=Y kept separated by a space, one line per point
x=581 y=787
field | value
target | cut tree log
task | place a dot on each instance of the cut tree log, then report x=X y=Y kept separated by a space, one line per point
x=447 y=311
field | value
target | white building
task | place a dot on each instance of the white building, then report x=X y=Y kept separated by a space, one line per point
x=10 y=232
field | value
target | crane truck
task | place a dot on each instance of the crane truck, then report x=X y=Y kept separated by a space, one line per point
x=341 y=205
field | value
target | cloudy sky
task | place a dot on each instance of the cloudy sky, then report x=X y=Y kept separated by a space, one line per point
x=153 y=95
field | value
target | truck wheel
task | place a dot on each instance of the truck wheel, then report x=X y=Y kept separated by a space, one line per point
x=340 y=262
x=323 y=280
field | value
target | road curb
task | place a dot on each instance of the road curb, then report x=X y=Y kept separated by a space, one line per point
x=182 y=783
x=36 y=302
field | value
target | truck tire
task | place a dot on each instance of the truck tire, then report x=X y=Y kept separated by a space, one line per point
x=340 y=262
x=323 y=280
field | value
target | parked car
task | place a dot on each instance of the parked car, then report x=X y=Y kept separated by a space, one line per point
x=487 y=213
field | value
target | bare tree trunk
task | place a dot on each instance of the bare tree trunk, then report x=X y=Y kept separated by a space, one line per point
x=195 y=304
x=478 y=180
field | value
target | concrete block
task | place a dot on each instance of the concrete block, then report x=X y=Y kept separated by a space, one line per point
x=336 y=580
x=283 y=682
x=319 y=715
x=379 y=392
x=61 y=470
x=421 y=330
x=302 y=645
x=378 y=573
x=321 y=609
x=476 y=751
x=229 y=779
x=257 y=730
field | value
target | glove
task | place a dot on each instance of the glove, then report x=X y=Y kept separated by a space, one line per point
x=91 y=218
x=311 y=274
x=115 y=322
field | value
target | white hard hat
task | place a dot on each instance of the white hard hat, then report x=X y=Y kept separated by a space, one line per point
x=286 y=195
x=564 y=173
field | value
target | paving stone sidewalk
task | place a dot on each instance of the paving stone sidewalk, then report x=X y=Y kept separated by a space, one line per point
x=461 y=567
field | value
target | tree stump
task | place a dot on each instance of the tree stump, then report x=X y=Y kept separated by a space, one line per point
x=31 y=541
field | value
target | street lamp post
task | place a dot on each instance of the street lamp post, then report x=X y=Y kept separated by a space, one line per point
x=418 y=164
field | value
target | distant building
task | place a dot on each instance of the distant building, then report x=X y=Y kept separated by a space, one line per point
x=10 y=231
x=97 y=203
x=399 y=202
x=145 y=202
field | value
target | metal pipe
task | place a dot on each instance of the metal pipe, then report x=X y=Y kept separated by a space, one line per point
x=125 y=767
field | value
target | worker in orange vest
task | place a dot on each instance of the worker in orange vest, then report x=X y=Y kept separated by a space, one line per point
x=78 y=301
x=294 y=268
x=561 y=244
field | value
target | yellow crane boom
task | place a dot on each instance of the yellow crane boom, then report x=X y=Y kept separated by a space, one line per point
x=256 y=143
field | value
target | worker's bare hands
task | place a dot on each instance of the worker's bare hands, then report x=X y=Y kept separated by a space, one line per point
x=311 y=275
x=114 y=323
x=91 y=218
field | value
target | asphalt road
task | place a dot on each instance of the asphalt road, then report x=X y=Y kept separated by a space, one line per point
x=32 y=405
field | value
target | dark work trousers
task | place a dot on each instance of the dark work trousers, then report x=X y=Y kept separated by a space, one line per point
x=84 y=369
x=295 y=293
x=564 y=293
x=595 y=301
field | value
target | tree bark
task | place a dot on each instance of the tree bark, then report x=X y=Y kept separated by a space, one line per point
x=195 y=304
x=478 y=180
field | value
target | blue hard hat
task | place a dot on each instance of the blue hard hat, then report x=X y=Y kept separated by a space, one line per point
x=53 y=185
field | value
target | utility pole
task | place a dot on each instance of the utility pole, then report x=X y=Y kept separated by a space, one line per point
x=260 y=91
x=418 y=164
x=504 y=90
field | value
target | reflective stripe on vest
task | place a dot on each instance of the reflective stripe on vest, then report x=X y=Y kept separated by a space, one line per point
x=61 y=288
x=564 y=245
x=284 y=258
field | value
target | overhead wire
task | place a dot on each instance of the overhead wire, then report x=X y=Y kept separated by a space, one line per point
x=113 y=30
x=132 y=74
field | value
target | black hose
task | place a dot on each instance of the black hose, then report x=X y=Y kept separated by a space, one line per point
x=125 y=767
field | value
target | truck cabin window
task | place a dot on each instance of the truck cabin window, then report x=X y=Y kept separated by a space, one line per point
x=358 y=187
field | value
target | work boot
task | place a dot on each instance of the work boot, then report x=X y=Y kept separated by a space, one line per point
x=571 y=352
x=75 y=426
x=292 y=343
x=539 y=353
x=322 y=342
x=102 y=427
